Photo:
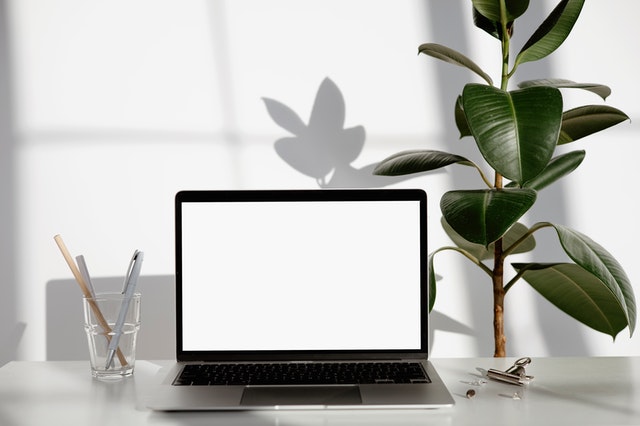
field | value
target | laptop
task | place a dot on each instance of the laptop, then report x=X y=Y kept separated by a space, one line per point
x=301 y=299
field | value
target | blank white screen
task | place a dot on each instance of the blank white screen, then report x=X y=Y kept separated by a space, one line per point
x=301 y=276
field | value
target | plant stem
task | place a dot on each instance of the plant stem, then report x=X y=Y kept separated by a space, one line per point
x=500 y=340
x=506 y=41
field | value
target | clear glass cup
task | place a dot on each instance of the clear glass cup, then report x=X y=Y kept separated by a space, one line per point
x=100 y=323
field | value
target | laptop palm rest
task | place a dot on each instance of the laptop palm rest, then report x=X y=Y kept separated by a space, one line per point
x=300 y=395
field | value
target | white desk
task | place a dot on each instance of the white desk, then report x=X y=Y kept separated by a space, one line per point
x=565 y=391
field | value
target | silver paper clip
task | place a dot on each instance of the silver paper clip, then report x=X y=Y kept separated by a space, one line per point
x=515 y=374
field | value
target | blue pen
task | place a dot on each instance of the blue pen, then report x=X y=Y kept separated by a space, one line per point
x=129 y=290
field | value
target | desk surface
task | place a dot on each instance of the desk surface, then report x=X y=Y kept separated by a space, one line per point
x=565 y=391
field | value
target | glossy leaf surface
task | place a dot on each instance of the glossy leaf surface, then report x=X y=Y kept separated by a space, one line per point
x=587 y=120
x=480 y=252
x=598 y=261
x=416 y=161
x=557 y=168
x=490 y=9
x=579 y=293
x=552 y=33
x=432 y=282
x=599 y=89
x=490 y=27
x=483 y=216
x=452 y=56
x=517 y=131
x=461 y=119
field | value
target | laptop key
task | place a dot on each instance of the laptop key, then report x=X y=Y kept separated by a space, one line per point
x=301 y=374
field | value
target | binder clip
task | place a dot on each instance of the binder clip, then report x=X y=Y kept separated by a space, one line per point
x=514 y=375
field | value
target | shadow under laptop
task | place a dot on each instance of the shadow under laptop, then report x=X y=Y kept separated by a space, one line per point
x=305 y=417
x=65 y=334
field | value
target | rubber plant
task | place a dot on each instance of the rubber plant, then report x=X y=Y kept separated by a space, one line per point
x=517 y=131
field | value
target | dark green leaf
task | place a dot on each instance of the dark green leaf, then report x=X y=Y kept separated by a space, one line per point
x=578 y=293
x=480 y=252
x=490 y=9
x=587 y=120
x=516 y=132
x=552 y=33
x=557 y=168
x=483 y=216
x=461 y=119
x=432 y=282
x=594 y=258
x=599 y=89
x=491 y=27
x=451 y=56
x=416 y=161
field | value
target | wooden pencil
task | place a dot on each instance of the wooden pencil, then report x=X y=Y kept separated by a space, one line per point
x=85 y=290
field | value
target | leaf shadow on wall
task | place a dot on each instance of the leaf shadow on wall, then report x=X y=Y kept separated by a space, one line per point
x=324 y=149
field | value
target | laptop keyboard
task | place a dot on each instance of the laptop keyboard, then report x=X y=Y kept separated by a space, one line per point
x=302 y=373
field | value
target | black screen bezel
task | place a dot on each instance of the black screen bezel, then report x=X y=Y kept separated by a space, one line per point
x=195 y=196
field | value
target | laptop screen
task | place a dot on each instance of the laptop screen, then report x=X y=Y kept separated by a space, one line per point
x=305 y=271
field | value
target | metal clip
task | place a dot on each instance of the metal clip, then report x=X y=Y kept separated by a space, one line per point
x=514 y=375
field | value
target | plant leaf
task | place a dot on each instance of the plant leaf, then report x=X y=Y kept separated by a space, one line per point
x=517 y=131
x=481 y=252
x=558 y=167
x=486 y=24
x=483 y=216
x=595 y=259
x=587 y=120
x=599 y=89
x=432 y=281
x=416 y=161
x=452 y=56
x=578 y=293
x=552 y=32
x=490 y=9
x=461 y=119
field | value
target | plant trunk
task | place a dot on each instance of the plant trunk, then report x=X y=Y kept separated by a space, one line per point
x=500 y=341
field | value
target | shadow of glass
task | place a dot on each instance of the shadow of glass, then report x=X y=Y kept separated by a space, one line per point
x=65 y=334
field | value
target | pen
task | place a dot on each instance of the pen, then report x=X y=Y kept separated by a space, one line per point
x=84 y=272
x=129 y=269
x=129 y=289
x=85 y=290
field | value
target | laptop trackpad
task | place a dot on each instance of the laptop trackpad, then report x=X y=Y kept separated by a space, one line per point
x=301 y=395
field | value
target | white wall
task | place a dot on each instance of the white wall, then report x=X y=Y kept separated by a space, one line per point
x=115 y=105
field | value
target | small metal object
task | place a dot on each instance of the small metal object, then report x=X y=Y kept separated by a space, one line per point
x=514 y=375
x=471 y=393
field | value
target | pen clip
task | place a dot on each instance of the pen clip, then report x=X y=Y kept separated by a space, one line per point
x=127 y=277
